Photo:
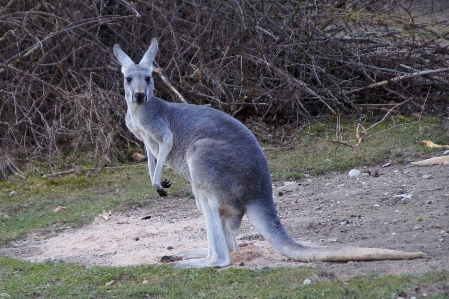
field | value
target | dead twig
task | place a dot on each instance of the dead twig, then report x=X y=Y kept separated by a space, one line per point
x=158 y=71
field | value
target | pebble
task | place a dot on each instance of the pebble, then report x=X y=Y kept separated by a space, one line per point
x=446 y=153
x=403 y=196
x=307 y=282
x=289 y=187
x=446 y=163
x=398 y=212
x=354 y=173
x=12 y=193
x=427 y=176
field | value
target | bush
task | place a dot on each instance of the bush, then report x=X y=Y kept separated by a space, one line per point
x=272 y=61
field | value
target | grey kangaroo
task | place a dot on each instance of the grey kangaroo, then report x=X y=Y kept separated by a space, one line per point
x=226 y=167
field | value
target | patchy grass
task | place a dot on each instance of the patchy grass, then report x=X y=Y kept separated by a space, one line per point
x=58 y=280
x=30 y=205
x=387 y=142
x=27 y=206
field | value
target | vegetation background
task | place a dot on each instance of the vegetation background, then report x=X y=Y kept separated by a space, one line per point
x=275 y=65
x=282 y=67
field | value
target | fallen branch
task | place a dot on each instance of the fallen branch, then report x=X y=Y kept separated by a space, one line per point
x=59 y=173
x=340 y=142
x=399 y=78
x=14 y=169
x=158 y=71
x=73 y=170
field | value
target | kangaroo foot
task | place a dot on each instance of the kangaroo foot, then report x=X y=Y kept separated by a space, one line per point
x=170 y=258
x=161 y=192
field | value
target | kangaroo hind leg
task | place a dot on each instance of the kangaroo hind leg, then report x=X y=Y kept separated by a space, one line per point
x=217 y=251
x=229 y=226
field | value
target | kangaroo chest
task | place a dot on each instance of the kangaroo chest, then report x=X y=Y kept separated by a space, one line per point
x=137 y=129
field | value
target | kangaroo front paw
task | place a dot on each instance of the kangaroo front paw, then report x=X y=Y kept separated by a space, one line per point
x=161 y=192
x=165 y=183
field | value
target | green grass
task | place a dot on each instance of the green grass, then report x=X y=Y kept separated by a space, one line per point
x=88 y=193
x=85 y=195
x=58 y=280
x=315 y=154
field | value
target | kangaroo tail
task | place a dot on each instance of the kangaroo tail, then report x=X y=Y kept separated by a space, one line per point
x=265 y=219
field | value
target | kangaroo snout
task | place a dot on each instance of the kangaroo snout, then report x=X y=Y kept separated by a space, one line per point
x=139 y=97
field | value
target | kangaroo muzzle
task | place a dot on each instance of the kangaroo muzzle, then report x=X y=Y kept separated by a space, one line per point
x=139 y=97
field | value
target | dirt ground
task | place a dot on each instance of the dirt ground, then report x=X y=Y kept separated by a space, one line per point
x=404 y=208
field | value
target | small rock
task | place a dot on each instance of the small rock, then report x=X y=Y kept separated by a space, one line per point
x=446 y=153
x=427 y=176
x=307 y=282
x=403 y=196
x=145 y=281
x=289 y=187
x=446 y=163
x=398 y=212
x=136 y=238
x=354 y=173
x=442 y=240
x=242 y=264
x=146 y=217
x=393 y=234
x=12 y=193
x=170 y=248
x=376 y=205
x=418 y=227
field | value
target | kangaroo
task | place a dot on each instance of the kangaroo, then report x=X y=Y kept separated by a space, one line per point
x=227 y=170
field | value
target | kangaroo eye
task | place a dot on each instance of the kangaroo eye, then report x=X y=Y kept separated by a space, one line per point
x=128 y=79
x=148 y=79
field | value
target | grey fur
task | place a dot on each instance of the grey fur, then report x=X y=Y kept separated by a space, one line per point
x=226 y=168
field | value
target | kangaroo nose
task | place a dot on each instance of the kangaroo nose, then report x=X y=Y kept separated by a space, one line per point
x=139 y=97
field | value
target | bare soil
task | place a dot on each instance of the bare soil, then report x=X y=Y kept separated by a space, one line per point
x=404 y=208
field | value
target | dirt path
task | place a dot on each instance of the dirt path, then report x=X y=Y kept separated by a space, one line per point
x=404 y=208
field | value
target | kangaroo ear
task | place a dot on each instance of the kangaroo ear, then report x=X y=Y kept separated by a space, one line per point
x=148 y=58
x=122 y=57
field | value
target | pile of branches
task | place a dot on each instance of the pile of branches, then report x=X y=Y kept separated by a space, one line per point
x=282 y=62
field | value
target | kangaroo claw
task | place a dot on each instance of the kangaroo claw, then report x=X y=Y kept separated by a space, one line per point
x=165 y=183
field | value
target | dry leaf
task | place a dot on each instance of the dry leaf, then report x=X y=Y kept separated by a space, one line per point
x=59 y=209
x=430 y=144
x=112 y=282
x=139 y=157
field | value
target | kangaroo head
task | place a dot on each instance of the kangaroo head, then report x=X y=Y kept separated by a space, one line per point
x=138 y=81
